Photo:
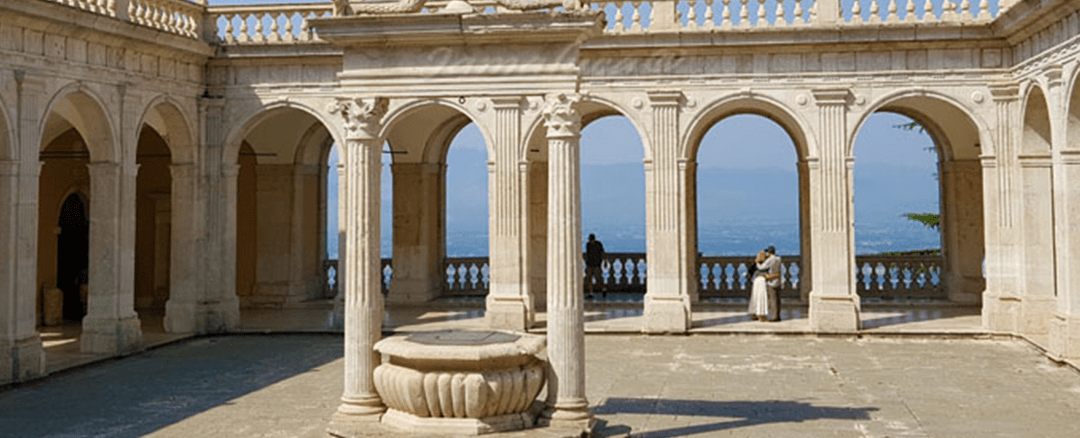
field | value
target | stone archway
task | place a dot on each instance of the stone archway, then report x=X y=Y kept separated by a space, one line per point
x=957 y=138
x=279 y=256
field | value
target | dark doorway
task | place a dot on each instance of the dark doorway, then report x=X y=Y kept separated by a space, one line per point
x=72 y=256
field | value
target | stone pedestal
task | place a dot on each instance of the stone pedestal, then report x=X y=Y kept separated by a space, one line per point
x=104 y=335
x=1001 y=313
x=54 y=307
x=666 y=314
x=833 y=313
x=1065 y=337
x=460 y=382
x=22 y=359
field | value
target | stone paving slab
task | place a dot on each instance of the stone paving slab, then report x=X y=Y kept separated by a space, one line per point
x=658 y=386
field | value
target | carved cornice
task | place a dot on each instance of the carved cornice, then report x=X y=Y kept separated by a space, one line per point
x=362 y=116
x=561 y=115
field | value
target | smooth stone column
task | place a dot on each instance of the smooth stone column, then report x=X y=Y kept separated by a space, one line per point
x=111 y=324
x=1001 y=301
x=834 y=305
x=1038 y=301
x=360 y=403
x=21 y=353
x=567 y=405
x=963 y=229
x=667 y=301
x=418 y=232
x=508 y=305
x=1065 y=322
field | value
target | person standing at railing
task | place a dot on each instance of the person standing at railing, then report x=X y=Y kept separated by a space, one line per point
x=759 y=298
x=594 y=259
x=770 y=271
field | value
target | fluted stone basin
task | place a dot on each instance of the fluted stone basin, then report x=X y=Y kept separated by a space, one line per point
x=461 y=381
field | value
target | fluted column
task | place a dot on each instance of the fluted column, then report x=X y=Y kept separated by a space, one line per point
x=507 y=301
x=363 y=292
x=1001 y=301
x=21 y=352
x=567 y=405
x=111 y=324
x=667 y=301
x=834 y=305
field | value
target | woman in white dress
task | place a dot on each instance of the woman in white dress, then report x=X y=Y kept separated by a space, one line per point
x=759 y=294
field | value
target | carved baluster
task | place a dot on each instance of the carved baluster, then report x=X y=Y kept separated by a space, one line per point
x=813 y=14
x=948 y=10
x=744 y=13
x=965 y=11
x=635 y=25
x=289 y=37
x=275 y=35
x=244 y=37
x=762 y=21
x=157 y=17
x=798 y=18
x=780 y=19
x=619 y=17
x=305 y=30
x=228 y=36
x=928 y=11
x=691 y=14
x=984 y=10
x=709 y=16
x=909 y=16
x=260 y=30
x=875 y=11
x=725 y=14
x=891 y=17
x=856 y=12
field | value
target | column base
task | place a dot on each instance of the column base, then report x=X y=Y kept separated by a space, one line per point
x=22 y=359
x=191 y=317
x=351 y=425
x=577 y=421
x=1035 y=314
x=834 y=313
x=1065 y=337
x=666 y=314
x=1001 y=313
x=110 y=336
x=507 y=314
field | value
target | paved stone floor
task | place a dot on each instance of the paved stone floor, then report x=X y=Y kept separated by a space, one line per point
x=701 y=385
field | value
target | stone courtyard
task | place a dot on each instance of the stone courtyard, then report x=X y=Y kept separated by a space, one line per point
x=705 y=385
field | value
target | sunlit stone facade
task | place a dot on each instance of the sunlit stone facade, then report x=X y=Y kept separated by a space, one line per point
x=195 y=138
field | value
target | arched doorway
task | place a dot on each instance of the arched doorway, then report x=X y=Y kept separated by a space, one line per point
x=72 y=256
x=956 y=139
x=747 y=199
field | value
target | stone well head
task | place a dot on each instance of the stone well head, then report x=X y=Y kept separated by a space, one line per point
x=461 y=382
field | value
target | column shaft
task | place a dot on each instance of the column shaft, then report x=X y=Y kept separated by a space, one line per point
x=507 y=302
x=1001 y=304
x=834 y=305
x=667 y=300
x=565 y=307
x=418 y=239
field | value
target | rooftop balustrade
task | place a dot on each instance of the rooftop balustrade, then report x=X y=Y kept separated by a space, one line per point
x=288 y=23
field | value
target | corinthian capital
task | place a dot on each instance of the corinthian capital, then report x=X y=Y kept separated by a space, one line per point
x=561 y=115
x=362 y=116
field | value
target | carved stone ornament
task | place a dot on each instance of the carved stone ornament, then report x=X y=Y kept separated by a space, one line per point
x=362 y=116
x=561 y=115
x=344 y=7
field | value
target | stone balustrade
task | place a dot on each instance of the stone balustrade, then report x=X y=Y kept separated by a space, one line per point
x=877 y=276
x=288 y=23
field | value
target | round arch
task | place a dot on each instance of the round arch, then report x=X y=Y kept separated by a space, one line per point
x=745 y=103
x=924 y=106
x=433 y=125
x=164 y=115
x=76 y=106
x=592 y=108
x=260 y=114
x=1036 y=136
x=1072 y=115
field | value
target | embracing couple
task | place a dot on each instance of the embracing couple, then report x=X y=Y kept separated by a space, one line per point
x=764 y=297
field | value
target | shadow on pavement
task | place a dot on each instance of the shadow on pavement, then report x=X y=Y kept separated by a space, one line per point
x=737 y=414
x=143 y=393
